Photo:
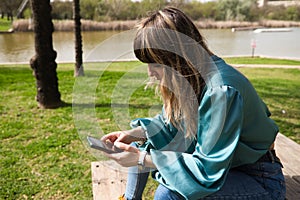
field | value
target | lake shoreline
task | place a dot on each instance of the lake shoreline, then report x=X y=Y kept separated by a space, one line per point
x=25 y=25
x=292 y=66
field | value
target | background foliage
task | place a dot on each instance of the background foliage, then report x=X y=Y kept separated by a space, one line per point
x=107 y=10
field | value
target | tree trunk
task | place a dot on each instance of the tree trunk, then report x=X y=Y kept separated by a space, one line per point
x=43 y=62
x=78 y=40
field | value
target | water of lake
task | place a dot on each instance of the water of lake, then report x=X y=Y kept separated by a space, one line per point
x=99 y=46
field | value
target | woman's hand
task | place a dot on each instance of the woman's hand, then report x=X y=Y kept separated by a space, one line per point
x=118 y=136
x=122 y=140
x=126 y=137
x=129 y=157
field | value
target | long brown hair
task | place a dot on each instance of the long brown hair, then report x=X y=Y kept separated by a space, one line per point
x=168 y=37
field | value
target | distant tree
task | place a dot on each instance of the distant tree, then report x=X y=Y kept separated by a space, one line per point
x=246 y=10
x=227 y=9
x=117 y=9
x=150 y=5
x=235 y=9
x=61 y=9
x=9 y=7
x=197 y=10
x=178 y=3
x=78 y=39
x=274 y=12
x=293 y=13
x=43 y=62
x=89 y=8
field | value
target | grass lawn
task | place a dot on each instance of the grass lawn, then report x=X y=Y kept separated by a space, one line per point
x=42 y=155
x=261 y=60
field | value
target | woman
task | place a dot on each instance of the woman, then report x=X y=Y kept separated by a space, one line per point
x=214 y=138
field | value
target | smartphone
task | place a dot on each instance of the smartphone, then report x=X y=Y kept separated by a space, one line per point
x=102 y=146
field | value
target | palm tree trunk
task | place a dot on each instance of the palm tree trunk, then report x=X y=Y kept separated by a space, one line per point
x=78 y=40
x=43 y=62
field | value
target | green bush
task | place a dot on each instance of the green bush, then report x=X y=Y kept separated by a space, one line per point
x=5 y=24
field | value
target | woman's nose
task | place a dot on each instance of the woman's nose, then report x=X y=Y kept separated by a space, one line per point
x=150 y=70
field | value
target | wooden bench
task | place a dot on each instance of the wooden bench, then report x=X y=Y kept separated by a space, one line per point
x=289 y=153
x=109 y=178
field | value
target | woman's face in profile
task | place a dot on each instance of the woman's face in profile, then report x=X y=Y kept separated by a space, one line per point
x=155 y=70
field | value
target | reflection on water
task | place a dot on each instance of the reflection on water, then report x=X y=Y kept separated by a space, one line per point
x=19 y=47
x=16 y=47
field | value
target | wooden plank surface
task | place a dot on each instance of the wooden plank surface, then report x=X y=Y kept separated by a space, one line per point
x=109 y=180
x=292 y=188
x=289 y=153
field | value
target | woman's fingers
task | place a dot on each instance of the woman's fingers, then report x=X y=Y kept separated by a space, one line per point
x=112 y=137
x=126 y=147
x=127 y=158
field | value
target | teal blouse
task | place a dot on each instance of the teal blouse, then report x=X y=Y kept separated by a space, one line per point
x=234 y=129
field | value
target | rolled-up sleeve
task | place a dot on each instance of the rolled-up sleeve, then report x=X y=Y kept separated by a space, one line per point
x=202 y=172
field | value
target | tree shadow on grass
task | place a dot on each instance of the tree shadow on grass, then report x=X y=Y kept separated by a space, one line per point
x=110 y=105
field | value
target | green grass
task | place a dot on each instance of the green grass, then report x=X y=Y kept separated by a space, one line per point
x=280 y=89
x=5 y=25
x=41 y=154
x=261 y=60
